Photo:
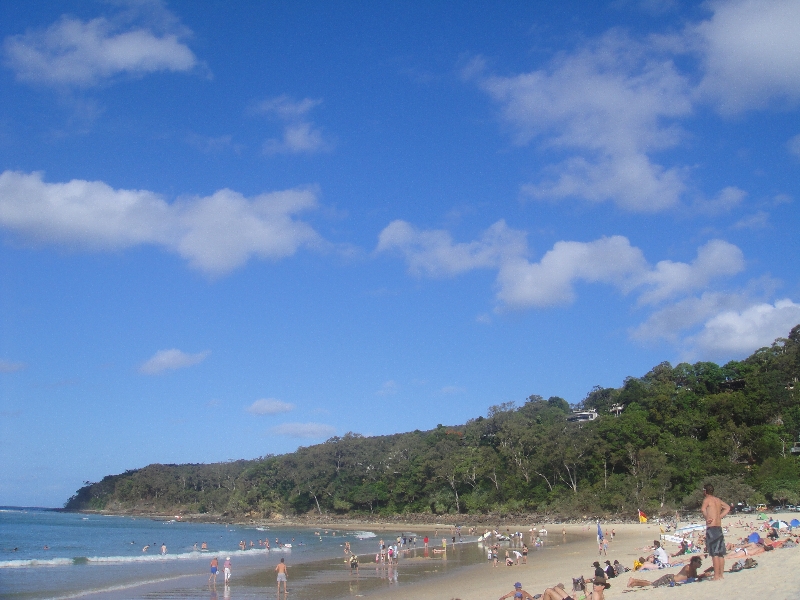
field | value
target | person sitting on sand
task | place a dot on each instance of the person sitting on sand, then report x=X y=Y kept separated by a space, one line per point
x=687 y=573
x=684 y=549
x=517 y=590
x=598 y=570
x=609 y=570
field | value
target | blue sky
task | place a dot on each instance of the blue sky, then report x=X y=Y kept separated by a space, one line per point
x=229 y=231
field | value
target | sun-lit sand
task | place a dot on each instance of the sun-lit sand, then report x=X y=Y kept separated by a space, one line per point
x=776 y=577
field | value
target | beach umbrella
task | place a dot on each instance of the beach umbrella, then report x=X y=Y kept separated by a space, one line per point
x=754 y=537
x=794 y=523
x=779 y=525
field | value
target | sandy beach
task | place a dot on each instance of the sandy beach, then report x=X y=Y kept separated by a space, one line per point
x=776 y=576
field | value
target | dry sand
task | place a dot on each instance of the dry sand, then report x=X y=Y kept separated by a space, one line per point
x=777 y=576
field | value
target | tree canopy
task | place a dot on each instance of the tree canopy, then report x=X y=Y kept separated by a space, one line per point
x=679 y=426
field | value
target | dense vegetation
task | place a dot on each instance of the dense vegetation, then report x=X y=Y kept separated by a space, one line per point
x=679 y=427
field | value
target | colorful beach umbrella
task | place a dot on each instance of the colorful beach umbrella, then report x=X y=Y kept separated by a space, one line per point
x=779 y=525
x=794 y=523
x=754 y=537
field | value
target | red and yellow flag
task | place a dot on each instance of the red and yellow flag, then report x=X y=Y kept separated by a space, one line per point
x=642 y=517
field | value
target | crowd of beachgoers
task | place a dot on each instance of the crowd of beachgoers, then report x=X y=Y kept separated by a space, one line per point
x=676 y=558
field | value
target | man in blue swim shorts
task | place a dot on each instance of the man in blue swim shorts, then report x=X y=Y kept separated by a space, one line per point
x=714 y=510
x=214 y=565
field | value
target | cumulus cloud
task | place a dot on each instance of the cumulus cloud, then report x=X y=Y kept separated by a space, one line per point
x=671 y=322
x=750 y=52
x=170 y=360
x=434 y=254
x=299 y=134
x=72 y=52
x=758 y=220
x=7 y=366
x=740 y=332
x=297 y=138
x=215 y=233
x=304 y=430
x=715 y=259
x=551 y=281
x=269 y=406
x=726 y=200
x=610 y=105
x=604 y=109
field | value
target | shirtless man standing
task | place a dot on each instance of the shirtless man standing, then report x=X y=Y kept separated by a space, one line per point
x=281 y=570
x=714 y=510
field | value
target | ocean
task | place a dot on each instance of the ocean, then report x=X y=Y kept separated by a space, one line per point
x=53 y=554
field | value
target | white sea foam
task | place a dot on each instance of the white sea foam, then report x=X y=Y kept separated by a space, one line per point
x=33 y=562
x=363 y=535
x=139 y=559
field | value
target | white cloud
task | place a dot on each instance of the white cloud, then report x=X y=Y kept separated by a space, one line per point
x=671 y=322
x=80 y=53
x=610 y=104
x=751 y=53
x=298 y=138
x=169 y=360
x=726 y=200
x=7 y=366
x=216 y=233
x=299 y=135
x=286 y=108
x=304 y=430
x=758 y=220
x=793 y=145
x=434 y=254
x=269 y=406
x=741 y=332
x=549 y=282
x=715 y=259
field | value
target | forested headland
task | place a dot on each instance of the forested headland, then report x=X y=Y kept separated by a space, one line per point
x=678 y=427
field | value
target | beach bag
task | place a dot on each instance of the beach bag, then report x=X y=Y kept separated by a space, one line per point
x=737 y=566
x=750 y=563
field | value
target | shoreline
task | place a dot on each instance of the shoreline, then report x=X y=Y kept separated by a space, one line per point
x=406 y=520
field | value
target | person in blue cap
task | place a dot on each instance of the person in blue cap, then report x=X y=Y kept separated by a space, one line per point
x=517 y=592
